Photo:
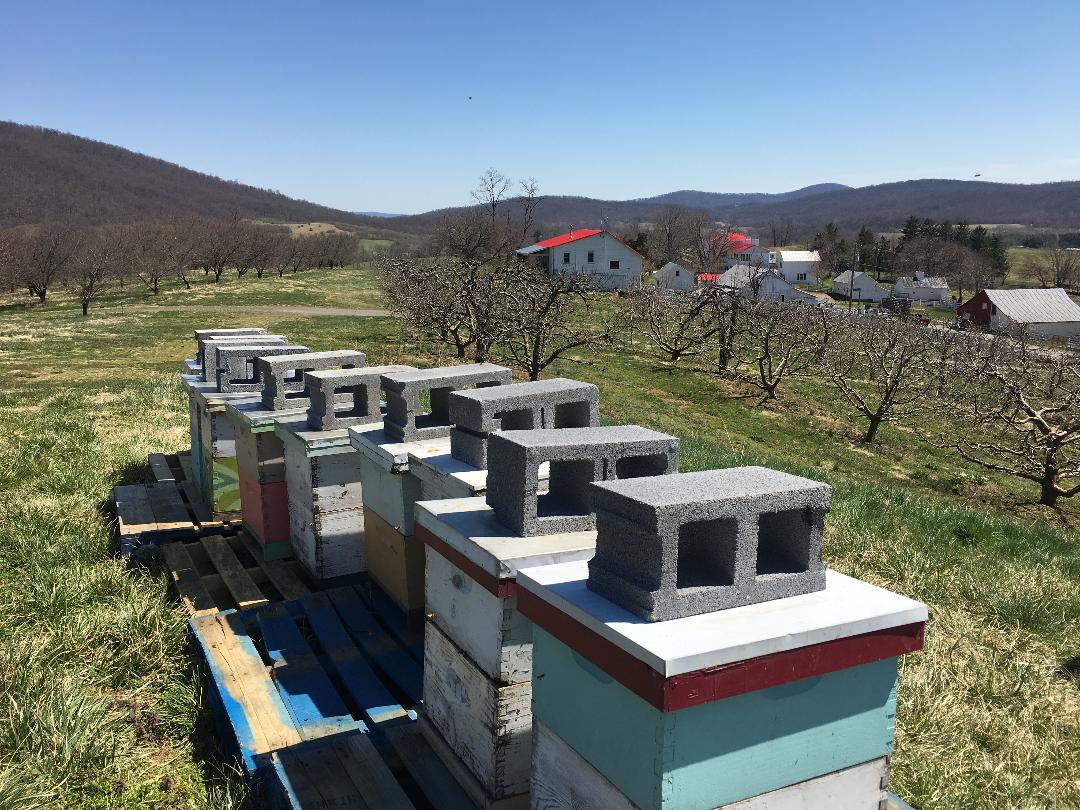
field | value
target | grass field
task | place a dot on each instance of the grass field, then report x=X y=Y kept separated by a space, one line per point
x=100 y=708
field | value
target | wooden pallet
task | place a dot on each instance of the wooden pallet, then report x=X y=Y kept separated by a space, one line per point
x=216 y=573
x=171 y=508
x=316 y=699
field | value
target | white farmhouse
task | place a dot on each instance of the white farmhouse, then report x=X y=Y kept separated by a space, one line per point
x=858 y=287
x=612 y=263
x=762 y=283
x=798 y=266
x=921 y=287
x=674 y=276
x=741 y=249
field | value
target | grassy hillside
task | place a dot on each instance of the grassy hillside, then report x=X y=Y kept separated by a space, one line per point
x=99 y=707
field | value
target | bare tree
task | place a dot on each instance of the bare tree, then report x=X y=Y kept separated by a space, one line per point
x=530 y=199
x=457 y=302
x=43 y=255
x=882 y=367
x=547 y=315
x=220 y=242
x=1059 y=268
x=179 y=246
x=667 y=238
x=679 y=325
x=1019 y=410
x=98 y=261
x=491 y=192
x=782 y=339
x=780 y=231
x=707 y=243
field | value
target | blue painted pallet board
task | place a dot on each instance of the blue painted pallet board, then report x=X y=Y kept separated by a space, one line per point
x=305 y=695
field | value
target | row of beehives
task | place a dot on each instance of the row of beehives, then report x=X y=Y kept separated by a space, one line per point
x=584 y=615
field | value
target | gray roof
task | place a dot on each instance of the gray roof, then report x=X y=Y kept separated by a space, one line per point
x=1035 y=306
x=847 y=275
x=527 y=251
x=934 y=282
x=672 y=266
x=739 y=275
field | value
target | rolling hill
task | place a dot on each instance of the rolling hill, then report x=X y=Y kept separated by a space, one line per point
x=50 y=175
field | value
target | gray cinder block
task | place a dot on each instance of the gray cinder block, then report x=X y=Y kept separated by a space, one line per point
x=576 y=458
x=406 y=419
x=202 y=335
x=543 y=404
x=237 y=370
x=679 y=545
x=283 y=377
x=358 y=389
x=207 y=357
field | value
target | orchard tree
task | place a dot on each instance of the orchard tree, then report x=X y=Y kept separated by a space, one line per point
x=678 y=325
x=97 y=263
x=42 y=255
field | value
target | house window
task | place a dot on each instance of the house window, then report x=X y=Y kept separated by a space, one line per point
x=566 y=258
x=676 y=274
x=801 y=277
x=613 y=264
x=591 y=258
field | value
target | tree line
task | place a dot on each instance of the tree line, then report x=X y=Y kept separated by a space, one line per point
x=88 y=261
x=1006 y=405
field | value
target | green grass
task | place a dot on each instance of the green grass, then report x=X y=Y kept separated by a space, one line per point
x=100 y=707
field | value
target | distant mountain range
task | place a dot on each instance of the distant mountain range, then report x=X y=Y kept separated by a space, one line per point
x=50 y=175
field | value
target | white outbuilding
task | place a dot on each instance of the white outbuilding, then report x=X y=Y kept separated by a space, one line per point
x=858 y=286
x=1043 y=312
x=798 y=266
x=762 y=283
x=921 y=287
x=610 y=262
x=673 y=276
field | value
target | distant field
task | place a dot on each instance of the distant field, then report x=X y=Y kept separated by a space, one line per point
x=100 y=708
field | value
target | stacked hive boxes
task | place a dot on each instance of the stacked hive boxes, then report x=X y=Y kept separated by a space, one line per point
x=705 y=658
x=322 y=469
x=222 y=361
x=478 y=646
x=395 y=556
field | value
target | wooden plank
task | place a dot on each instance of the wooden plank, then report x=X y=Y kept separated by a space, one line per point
x=185 y=578
x=394 y=619
x=133 y=511
x=159 y=466
x=430 y=775
x=359 y=759
x=243 y=590
x=170 y=511
x=312 y=700
x=362 y=684
x=185 y=464
x=254 y=709
x=280 y=574
x=196 y=506
x=379 y=646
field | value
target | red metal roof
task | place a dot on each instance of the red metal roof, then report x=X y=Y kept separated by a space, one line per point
x=573 y=236
x=709 y=277
x=736 y=242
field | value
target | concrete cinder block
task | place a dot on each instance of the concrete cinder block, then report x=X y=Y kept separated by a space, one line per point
x=406 y=419
x=237 y=371
x=206 y=355
x=690 y=543
x=539 y=405
x=576 y=458
x=202 y=335
x=357 y=389
x=283 y=377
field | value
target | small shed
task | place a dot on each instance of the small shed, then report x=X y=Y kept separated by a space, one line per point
x=921 y=287
x=798 y=266
x=858 y=286
x=1044 y=312
x=673 y=276
x=758 y=282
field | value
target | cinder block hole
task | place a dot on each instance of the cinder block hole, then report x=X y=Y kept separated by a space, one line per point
x=641 y=466
x=707 y=553
x=293 y=382
x=351 y=401
x=436 y=407
x=568 y=487
x=784 y=542
x=514 y=420
x=573 y=414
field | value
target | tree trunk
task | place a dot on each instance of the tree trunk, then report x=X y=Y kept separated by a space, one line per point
x=1048 y=495
x=41 y=295
x=871 y=431
x=85 y=307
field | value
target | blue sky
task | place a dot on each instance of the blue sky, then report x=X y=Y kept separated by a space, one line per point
x=366 y=106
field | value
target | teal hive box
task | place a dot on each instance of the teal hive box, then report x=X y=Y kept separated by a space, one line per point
x=708 y=710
